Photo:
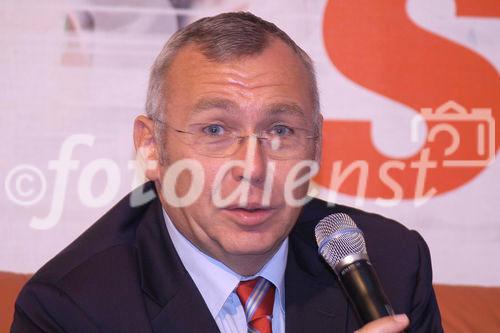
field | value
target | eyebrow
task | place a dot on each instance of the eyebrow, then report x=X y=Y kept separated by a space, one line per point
x=215 y=103
x=290 y=109
x=275 y=109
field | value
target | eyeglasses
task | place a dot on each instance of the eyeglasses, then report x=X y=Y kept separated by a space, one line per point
x=216 y=140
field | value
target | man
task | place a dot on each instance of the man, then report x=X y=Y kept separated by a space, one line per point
x=232 y=130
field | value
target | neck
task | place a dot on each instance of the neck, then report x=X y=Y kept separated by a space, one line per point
x=247 y=265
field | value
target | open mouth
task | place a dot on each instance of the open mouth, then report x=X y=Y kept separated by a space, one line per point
x=249 y=215
x=249 y=209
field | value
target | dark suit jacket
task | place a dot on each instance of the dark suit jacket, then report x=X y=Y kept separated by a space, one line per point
x=124 y=275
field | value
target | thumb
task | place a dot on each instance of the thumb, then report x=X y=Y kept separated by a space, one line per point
x=389 y=324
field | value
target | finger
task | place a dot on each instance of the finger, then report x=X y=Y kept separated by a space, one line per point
x=390 y=324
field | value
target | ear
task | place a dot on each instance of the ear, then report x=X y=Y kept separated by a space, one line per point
x=319 y=141
x=146 y=148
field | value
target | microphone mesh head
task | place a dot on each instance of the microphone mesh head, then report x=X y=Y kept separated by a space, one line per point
x=338 y=237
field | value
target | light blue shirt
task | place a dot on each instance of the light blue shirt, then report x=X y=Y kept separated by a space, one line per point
x=217 y=283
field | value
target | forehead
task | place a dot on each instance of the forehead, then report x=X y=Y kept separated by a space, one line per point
x=276 y=79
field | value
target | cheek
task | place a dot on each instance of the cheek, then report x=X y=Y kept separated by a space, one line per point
x=211 y=169
x=295 y=180
x=187 y=182
x=184 y=180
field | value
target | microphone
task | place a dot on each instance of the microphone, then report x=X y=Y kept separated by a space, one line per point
x=341 y=244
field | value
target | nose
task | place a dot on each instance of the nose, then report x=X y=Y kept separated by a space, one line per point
x=252 y=153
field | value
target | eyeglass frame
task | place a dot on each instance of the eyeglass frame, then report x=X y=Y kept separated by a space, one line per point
x=238 y=138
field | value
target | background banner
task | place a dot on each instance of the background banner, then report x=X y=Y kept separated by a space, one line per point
x=410 y=93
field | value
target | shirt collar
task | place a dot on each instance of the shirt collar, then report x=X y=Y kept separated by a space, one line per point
x=216 y=281
x=274 y=271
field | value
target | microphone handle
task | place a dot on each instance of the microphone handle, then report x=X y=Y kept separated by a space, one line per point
x=365 y=291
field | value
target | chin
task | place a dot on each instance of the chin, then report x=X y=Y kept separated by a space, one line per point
x=256 y=245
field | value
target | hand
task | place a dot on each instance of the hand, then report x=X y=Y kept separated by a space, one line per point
x=390 y=324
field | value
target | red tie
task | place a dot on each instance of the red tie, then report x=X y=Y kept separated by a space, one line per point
x=257 y=298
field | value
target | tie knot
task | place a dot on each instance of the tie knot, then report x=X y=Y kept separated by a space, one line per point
x=257 y=298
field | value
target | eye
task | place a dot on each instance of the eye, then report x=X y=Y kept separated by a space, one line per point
x=214 y=130
x=281 y=130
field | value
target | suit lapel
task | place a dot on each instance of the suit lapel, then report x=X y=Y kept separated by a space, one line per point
x=172 y=299
x=314 y=300
x=185 y=312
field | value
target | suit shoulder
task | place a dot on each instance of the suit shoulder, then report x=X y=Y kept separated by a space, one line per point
x=110 y=237
x=376 y=228
x=318 y=209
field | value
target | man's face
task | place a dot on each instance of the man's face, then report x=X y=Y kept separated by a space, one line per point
x=246 y=95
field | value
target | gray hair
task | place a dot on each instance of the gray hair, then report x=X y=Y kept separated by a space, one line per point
x=220 y=38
